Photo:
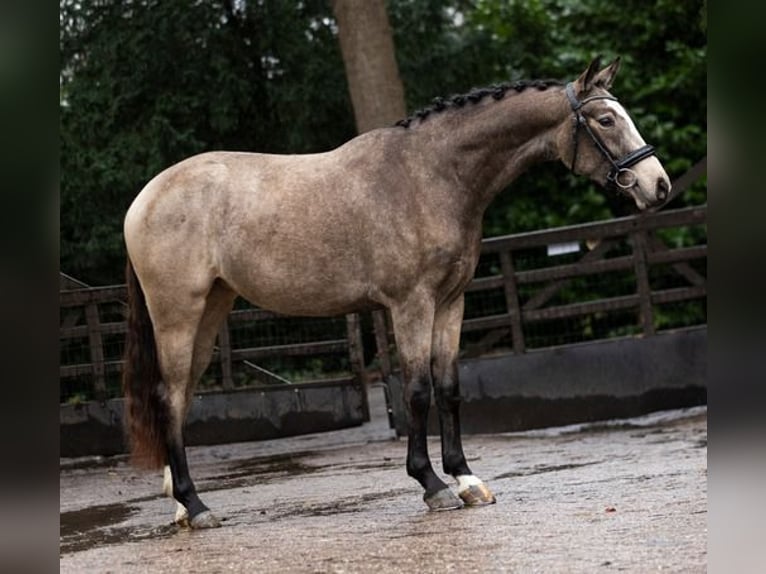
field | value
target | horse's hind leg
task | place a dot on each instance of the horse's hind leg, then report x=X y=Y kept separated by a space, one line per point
x=218 y=303
x=445 y=348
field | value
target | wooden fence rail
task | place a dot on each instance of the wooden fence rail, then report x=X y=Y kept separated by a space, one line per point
x=647 y=251
x=630 y=245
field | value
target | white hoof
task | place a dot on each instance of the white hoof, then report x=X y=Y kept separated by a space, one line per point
x=473 y=491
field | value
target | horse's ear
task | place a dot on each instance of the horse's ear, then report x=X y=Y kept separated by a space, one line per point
x=585 y=81
x=606 y=76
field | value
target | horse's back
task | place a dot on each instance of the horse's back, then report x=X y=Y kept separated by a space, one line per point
x=294 y=233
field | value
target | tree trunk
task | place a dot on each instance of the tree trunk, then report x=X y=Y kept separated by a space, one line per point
x=367 y=48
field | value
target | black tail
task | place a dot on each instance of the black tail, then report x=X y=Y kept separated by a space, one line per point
x=146 y=413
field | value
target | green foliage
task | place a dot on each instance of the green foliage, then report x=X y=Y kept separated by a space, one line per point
x=662 y=82
x=145 y=83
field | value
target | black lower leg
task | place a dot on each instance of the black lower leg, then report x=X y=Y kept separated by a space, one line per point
x=448 y=402
x=418 y=462
x=183 y=487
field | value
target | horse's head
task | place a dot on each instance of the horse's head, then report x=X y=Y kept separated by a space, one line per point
x=601 y=141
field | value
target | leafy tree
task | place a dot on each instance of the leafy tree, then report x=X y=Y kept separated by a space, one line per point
x=146 y=83
x=662 y=82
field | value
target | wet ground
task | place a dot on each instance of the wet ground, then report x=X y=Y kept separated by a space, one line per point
x=627 y=496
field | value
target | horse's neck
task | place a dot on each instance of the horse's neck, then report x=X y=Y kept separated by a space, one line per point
x=492 y=144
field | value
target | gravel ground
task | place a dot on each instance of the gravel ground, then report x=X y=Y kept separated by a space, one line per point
x=628 y=496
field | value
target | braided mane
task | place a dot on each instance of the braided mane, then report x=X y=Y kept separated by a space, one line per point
x=497 y=91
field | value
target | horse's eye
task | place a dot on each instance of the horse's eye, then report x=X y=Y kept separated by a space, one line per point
x=606 y=121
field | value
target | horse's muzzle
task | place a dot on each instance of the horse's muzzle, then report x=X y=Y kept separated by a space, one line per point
x=663 y=190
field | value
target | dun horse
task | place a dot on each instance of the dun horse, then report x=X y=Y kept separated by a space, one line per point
x=392 y=218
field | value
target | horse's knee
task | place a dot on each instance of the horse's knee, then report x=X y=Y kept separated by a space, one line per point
x=418 y=396
x=447 y=395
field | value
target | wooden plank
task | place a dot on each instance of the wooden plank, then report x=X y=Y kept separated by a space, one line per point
x=74 y=298
x=688 y=178
x=490 y=322
x=679 y=294
x=486 y=343
x=512 y=301
x=224 y=356
x=577 y=309
x=597 y=230
x=114 y=328
x=356 y=358
x=71 y=318
x=661 y=254
x=380 y=326
x=95 y=344
x=638 y=240
x=579 y=269
x=297 y=350
x=585 y=308
x=80 y=369
x=486 y=283
x=547 y=293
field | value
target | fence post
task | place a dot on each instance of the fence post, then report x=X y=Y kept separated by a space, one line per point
x=381 y=342
x=638 y=240
x=356 y=357
x=224 y=353
x=95 y=343
x=512 y=301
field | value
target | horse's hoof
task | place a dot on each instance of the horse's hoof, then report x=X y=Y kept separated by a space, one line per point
x=204 y=519
x=477 y=495
x=443 y=499
x=182 y=517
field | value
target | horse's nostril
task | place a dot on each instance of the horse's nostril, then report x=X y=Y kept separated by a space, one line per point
x=662 y=190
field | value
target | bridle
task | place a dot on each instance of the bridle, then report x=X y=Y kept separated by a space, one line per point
x=620 y=174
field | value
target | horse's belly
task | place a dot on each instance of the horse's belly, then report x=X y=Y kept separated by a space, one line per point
x=289 y=292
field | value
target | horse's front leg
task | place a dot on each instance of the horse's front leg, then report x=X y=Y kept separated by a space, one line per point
x=413 y=325
x=445 y=349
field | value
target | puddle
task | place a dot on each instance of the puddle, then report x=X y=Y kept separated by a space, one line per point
x=94 y=526
x=78 y=521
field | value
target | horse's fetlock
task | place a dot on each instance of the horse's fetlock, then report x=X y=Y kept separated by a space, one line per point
x=417 y=466
x=455 y=464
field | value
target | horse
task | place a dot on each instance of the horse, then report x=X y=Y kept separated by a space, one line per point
x=390 y=219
